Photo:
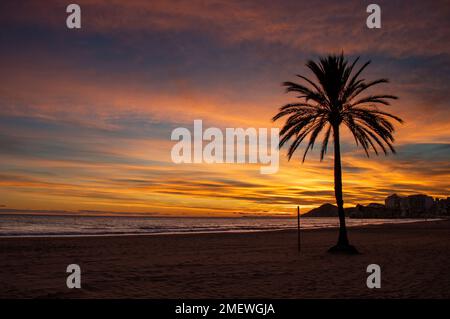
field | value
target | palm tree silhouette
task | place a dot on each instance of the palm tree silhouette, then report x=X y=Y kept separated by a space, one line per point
x=335 y=99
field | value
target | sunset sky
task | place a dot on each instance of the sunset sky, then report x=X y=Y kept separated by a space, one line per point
x=86 y=115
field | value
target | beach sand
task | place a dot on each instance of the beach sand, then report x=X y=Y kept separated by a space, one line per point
x=414 y=260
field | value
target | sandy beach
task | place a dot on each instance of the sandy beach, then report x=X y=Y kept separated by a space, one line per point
x=414 y=260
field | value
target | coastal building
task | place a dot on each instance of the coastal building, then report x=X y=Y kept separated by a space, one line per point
x=392 y=201
x=413 y=205
x=442 y=206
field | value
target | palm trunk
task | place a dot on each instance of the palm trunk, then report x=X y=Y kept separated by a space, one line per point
x=342 y=240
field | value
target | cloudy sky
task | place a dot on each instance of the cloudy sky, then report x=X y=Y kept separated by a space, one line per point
x=86 y=115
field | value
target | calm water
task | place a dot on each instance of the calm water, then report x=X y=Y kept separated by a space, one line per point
x=96 y=226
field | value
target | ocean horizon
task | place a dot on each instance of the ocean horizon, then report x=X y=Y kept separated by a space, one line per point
x=76 y=226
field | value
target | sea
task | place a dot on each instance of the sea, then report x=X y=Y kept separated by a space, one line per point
x=72 y=226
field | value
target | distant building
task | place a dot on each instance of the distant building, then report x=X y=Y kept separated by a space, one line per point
x=417 y=204
x=413 y=205
x=442 y=206
x=393 y=202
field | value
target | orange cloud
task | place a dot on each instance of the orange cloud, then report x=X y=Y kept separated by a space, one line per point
x=82 y=146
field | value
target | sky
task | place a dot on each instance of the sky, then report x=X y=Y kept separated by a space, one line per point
x=86 y=114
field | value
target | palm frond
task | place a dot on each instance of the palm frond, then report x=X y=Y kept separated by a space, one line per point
x=331 y=99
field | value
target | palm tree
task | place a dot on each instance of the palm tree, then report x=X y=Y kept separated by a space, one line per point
x=334 y=98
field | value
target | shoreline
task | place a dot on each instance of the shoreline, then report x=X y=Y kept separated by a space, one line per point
x=397 y=221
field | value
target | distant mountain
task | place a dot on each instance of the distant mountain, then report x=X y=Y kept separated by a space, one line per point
x=326 y=210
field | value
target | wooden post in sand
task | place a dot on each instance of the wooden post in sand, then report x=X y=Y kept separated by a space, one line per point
x=298 y=228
